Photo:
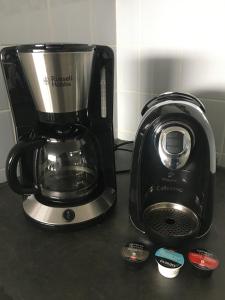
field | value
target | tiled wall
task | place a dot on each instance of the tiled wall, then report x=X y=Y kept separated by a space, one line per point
x=31 y=21
x=159 y=46
x=171 y=46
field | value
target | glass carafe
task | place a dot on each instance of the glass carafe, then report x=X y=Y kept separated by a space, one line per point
x=66 y=164
x=67 y=167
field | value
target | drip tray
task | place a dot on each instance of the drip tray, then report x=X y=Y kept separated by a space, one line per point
x=167 y=221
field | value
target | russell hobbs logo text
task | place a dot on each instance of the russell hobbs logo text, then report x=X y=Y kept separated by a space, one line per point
x=58 y=81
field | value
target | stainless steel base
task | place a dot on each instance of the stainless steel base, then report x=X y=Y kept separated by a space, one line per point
x=64 y=216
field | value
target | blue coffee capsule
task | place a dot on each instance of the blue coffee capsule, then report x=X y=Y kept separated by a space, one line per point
x=169 y=262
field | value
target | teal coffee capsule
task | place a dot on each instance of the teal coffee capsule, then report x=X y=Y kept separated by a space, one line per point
x=169 y=262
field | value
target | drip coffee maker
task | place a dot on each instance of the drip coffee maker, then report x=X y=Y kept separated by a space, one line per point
x=61 y=97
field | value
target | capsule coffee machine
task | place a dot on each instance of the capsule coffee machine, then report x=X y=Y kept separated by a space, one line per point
x=61 y=97
x=173 y=170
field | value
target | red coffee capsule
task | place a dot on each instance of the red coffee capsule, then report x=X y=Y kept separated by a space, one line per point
x=203 y=261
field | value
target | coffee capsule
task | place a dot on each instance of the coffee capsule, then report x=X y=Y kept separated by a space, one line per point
x=169 y=262
x=135 y=253
x=203 y=261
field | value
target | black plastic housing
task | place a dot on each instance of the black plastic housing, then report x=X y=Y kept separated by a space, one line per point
x=193 y=184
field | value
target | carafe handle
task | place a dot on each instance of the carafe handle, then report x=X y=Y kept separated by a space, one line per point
x=12 y=162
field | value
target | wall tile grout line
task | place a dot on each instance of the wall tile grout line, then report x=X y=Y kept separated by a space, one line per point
x=156 y=94
x=91 y=21
x=139 y=56
x=49 y=18
x=5 y=111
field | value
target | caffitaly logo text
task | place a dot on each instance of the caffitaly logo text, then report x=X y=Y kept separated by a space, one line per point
x=58 y=81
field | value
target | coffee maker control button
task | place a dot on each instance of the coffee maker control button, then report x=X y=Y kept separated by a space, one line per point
x=69 y=215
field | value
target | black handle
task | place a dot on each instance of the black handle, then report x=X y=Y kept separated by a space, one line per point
x=12 y=162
